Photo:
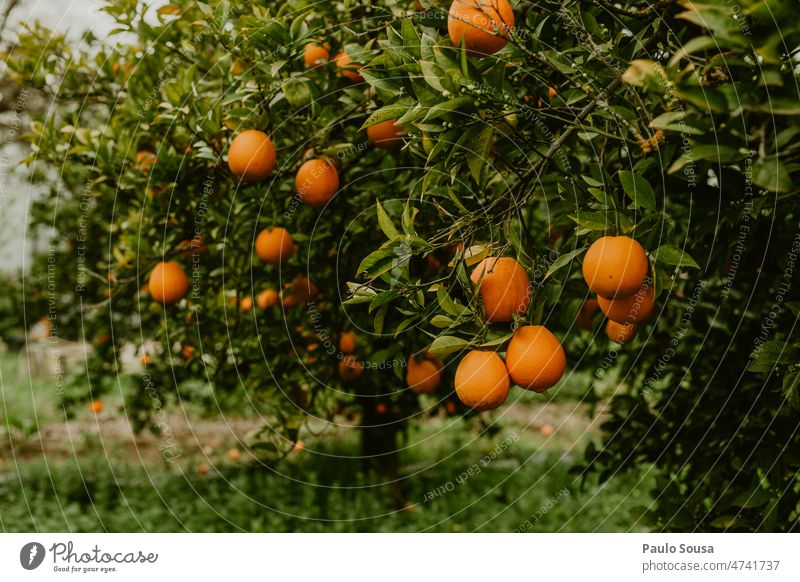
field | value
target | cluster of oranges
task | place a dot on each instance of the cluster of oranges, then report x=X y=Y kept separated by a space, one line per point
x=615 y=268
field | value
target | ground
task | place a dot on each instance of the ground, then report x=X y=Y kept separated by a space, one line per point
x=92 y=473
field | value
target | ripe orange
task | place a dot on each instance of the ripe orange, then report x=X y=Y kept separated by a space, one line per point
x=482 y=24
x=505 y=289
x=482 y=380
x=252 y=155
x=168 y=283
x=298 y=292
x=203 y=469
x=615 y=266
x=535 y=359
x=314 y=55
x=96 y=406
x=246 y=304
x=317 y=182
x=386 y=135
x=423 y=375
x=585 y=317
x=187 y=352
x=348 y=342
x=267 y=299
x=381 y=408
x=547 y=430
x=347 y=68
x=145 y=359
x=275 y=245
x=622 y=333
x=233 y=455
x=551 y=93
x=350 y=368
x=636 y=308
x=145 y=160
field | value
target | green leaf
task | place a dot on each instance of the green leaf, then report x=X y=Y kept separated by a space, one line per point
x=385 y=222
x=638 y=189
x=297 y=92
x=478 y=151
x=394 y=110
x=562 y=261
x=671 y=255
x=447 y=344
x=442 y=109
x=772 y=175
x=772 y=353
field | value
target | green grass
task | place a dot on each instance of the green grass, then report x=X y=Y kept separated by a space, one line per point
x=316 y=494
x=529 y=483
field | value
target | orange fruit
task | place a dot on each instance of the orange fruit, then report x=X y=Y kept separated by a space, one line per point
x=96 y=406
x=234 y=455
x=348 y=342
x=187 y=352
x=547 y=430
x=482 y=380
x=317 y=181
x=381 y=408
x=145 y=359
x=168 y=283
x=203 y=469
x=298 y=447
x=298 y=292
x=636 y=308
x=551 y=93
x=535 y=359
x=386 y=135
x=586 y=313
x=622 y=333
x=252 y=155
x=145 y=160
x=423 y=375
x=266 y=299
x=315 y=55
x=275 y=245
x=615 y=266
x=246 y=304
x=350 y=368
x=505 y=289
x=347 y=68
x=482 y=24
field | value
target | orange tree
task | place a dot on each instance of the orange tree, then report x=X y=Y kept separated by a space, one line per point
x=642 y=152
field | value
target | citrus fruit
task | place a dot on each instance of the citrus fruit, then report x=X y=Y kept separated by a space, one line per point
x=483 y=25
x=615 y=266
x=252 y=155
x=482 y=380
x=347 y=68
x=96 y=406
x=275 y=245
x=535 y=359
x=234 y=455
x=585 y=317
x=348 y=342
x=423 y=375
x=505 y=288
x=636 y=308
x=622 y=333
x=246 y=304
x=267 y=299
x=314 y=55
x=168 y=283
x=350 y=368
x=386 y=135
x=298 y=292
x=317 y=181
x=187 y=352
x=145 y=160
